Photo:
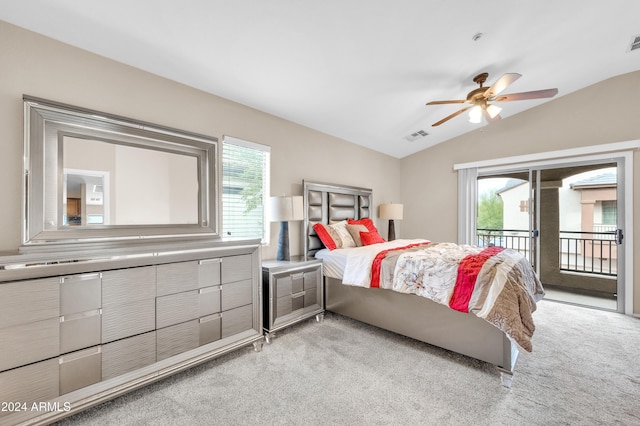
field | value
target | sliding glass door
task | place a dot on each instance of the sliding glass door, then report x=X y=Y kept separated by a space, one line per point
x=567 y=219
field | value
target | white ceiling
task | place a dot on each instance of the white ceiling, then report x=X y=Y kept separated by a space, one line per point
x=361 y=70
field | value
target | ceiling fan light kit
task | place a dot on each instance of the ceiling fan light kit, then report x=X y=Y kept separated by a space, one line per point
x=479 y=99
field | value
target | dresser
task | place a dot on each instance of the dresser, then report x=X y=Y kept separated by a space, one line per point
x=75 y=332
x=293 y=291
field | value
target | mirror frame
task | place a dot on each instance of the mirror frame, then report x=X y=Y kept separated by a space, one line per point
x=48 y=122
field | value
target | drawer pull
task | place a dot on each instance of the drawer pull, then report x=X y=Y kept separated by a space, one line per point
x=210 y=318
x=209 y=261
x=297 y=276
x=81 y=315
x=300 y=294
x=80 y=354
x=210 y=289
x=83 y=277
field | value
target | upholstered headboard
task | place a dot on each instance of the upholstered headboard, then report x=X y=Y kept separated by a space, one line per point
x=328 y=203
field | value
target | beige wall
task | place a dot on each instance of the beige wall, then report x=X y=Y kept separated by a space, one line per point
x=41 y=67
x=38 y=66
x=606 y=112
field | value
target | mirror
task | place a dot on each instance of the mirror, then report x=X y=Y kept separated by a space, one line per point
x=94 y=177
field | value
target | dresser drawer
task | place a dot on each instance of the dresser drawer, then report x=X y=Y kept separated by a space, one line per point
x=209 y=301
x=177 y=277
x=128 y=319
x=177 y=308
x=80 y=293
x=236 y=268
x=177 y=339
x=128 y=355
x=210 y=328
x=33 y=383
x=209 y=272
x=78 y=331
x=236 y=294
x=237 y=320
x=80 y=369
x=128 y=285
x=26 y=343
x=23 y=302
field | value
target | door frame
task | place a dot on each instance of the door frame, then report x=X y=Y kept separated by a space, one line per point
x=623 y=151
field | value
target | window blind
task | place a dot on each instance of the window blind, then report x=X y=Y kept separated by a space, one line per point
x=245 y=186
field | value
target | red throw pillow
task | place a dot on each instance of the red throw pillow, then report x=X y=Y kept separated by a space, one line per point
x=369 y=238
x=324 y=233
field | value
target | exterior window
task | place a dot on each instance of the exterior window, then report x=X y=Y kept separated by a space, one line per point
x=245 y=189
x=609 y=212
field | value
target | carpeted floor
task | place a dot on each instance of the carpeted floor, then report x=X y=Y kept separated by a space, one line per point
x=583 y=370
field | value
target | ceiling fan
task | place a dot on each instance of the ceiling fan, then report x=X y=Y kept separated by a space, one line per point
x=479 y=98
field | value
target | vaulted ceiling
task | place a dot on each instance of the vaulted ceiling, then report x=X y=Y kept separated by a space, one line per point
x=358 y=70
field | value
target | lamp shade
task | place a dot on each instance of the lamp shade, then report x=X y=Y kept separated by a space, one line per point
x=286 y=208
x=391 y=211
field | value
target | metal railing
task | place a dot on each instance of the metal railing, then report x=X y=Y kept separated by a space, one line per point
x=584 y=252
x=517 y=239
x=589 y=252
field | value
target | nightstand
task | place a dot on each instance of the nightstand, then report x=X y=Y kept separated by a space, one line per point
x=292 y=291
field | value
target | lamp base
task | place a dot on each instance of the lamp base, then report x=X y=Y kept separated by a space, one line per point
x=391 y=235
x=283 y=242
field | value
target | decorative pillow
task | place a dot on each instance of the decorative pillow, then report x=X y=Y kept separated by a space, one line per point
x=369 y=238
x=328 y=236
x=334 y=236
x=355 y=231
x=343 y=232
x=366 y=222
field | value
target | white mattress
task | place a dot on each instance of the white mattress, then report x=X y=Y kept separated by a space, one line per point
x=333 y=262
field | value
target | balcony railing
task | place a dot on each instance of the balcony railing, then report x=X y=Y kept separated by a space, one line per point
x=589 y=252
x=517 y=239
x=584 y=252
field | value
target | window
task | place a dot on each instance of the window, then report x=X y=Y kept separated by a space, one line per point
x=609 y=212
x=245 y=189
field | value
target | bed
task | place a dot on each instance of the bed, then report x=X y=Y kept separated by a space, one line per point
x=402 y=312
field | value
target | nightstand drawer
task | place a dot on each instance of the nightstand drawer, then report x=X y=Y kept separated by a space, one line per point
x=312 y=279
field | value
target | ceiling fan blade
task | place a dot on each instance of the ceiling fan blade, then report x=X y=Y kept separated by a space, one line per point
x=459 y=101
x=501 y=84
x=536 y=94
x=449 y=117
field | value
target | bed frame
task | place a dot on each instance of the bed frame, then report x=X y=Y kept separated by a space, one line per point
x=405 y=314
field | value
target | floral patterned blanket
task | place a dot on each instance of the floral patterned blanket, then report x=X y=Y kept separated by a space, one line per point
x=496 y=284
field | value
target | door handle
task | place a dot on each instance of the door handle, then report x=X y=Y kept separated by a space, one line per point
x=619 y=236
